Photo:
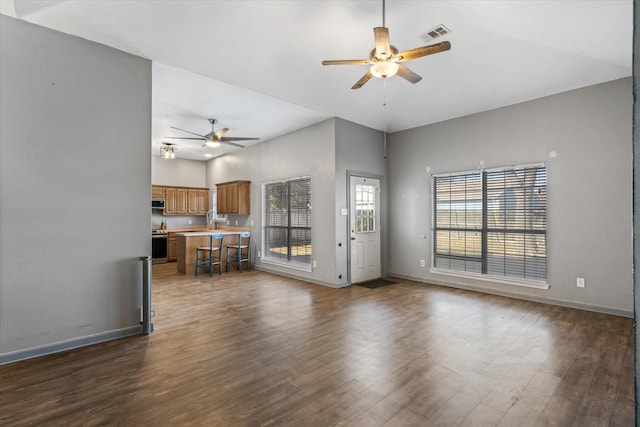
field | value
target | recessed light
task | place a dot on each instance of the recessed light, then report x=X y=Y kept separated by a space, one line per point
x=208 y=155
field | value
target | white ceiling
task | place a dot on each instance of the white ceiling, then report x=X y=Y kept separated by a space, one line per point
x=256 y=65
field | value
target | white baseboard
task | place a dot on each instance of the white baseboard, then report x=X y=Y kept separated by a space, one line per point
x=518 y=295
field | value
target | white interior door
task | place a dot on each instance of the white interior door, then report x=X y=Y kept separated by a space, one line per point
x=364 y=215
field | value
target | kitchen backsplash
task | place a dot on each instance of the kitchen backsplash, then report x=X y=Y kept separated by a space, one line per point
x=176 y=220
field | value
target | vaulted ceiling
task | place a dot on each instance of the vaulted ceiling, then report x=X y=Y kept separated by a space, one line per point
x=256 y=65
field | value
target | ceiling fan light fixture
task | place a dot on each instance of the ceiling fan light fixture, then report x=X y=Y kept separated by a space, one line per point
x=212 y=144
x=384 y=69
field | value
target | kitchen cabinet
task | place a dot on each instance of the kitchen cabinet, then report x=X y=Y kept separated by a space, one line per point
x=221 y=197
x=157 y=192
x=203 y=201
x=192 y=202
x=172 y=247
x=234 y=197
x=198 y=203
x=184 y=200
x=170 y=201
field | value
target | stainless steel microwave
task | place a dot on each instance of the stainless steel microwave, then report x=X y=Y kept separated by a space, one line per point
x=157 y=204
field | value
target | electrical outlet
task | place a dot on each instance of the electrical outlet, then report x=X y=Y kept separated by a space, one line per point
x=259 y=255
x=314 y=264
x=422 y=263
x=252 y=223
x=580 y=282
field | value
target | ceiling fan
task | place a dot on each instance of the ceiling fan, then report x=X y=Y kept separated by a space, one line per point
x=386 y=61
x=214 y=139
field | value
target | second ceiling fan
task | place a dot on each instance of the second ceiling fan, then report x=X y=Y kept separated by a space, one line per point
x=213 y=139
x=386 y=61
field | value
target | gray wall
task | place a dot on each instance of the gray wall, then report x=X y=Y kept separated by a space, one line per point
x=589 y=189
x=178 y=172
x=359 y=149
x=74 y=218
x=636 y=196
x=305 y=152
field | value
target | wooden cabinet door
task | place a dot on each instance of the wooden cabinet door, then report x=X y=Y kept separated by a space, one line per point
x=222 y=198
x=232 y=198
x=244 y=198
x=171 y=201
x=182 y=196
x=172 y=249
x=192 y=203
x=203 y=201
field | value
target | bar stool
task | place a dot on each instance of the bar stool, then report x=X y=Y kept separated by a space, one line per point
x=235 y=252
x=211 y=259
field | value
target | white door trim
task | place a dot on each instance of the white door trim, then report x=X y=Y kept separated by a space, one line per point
x=360 y=174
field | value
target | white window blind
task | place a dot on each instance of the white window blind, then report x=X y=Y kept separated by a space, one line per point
x=287 y=221
x=492 y=222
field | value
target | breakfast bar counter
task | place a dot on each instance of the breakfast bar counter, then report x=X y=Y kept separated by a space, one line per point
x=189 y=241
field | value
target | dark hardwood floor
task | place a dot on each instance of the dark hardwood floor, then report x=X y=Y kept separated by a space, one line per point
x=250 y=349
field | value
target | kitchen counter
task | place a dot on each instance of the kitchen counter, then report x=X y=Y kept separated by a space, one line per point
x=188 y=242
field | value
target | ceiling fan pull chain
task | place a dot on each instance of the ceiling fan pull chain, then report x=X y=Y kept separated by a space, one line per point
x=384 y=116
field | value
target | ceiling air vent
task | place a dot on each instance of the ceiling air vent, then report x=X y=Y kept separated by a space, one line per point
x=434 y=33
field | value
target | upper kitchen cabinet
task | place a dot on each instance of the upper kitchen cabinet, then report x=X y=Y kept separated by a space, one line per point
x=157 y=192
x=186 y=201
x=198 y=203
x=182 y=198
x=170 y=201
x=234 y=197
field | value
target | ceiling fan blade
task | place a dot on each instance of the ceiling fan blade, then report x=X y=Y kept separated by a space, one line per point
x=234 y=144
x=362 y=80
x=383 y=48
x=179 y=137
x=218 y=135
x=197 y=134
x=419 y=52
x=407 y=74
x=237 y=138
x=347 y=62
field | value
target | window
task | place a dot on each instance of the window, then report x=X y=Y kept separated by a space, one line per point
x=492 y=222
x=287 y=222
x=365 y=208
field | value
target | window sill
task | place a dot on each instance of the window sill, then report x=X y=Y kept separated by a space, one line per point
x=299 y=267
x=493 y=279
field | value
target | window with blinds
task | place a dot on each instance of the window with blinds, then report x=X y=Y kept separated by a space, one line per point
x=492 y=222
x=287 y=222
